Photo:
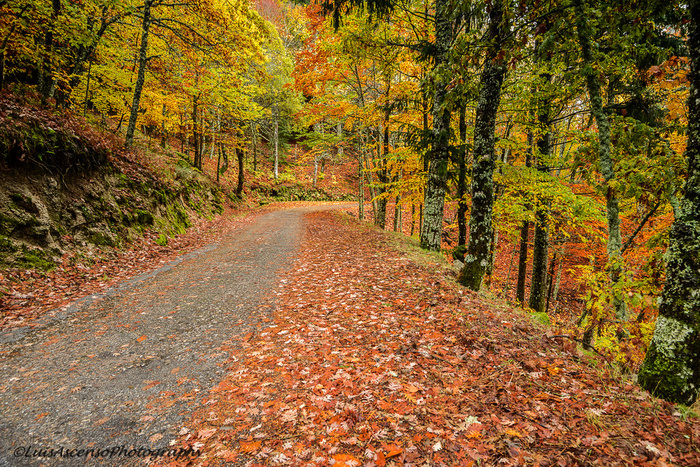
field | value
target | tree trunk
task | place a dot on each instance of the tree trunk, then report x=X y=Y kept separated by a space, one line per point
x=492 y=253
x=671 y=368
x=438 y=157
x=538 y=284
x=315 y=170
x=372 y=191
x=550 y=280
x=340 y=136
x=524 y=237
x=276 y=136
x=540 y=254
x=382 y=177
x=522 y=263
x=46 y=80
x=196 y=134
x=218 y=164
x=141 y=76
x=224 y=157
x=413 y=218
x=560 y=256
x=5 y=41
x=462 y=177
x=162 y=128
x=239 y=188
x=480 y=226
x=397 y=214
x=604 y=156
x=361 y=177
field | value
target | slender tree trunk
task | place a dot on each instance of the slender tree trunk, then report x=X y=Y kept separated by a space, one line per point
x=550 y=280
x=671 y=368
x=462 y=178
x=239 y=188
x=372 y=191
x=413 y=218
x=196 y=135
x=522 y=263
x=361 y=176
x=438 y=157
x=315 y=170
x=224 y=157
x=254 y=131
x=604 y=155
x=141 y=76
x=218 y=164
x=480 y=226
x=276 y=136
x=492 y=253
x=46 y=80
x=397 y=214
x=163 y=133
x=382 y=177
x=339 y=133
x=524 y=236
x=560 y=256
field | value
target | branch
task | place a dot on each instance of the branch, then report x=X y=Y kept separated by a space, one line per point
x=628 y=243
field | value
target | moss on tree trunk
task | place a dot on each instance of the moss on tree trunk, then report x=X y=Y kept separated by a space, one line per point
x=476 y=261
x=436 y=186
x=671 y=369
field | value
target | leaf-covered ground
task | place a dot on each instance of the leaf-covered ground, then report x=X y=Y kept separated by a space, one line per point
x=373 y=358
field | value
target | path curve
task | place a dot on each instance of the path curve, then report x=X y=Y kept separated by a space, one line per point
x=122 y=371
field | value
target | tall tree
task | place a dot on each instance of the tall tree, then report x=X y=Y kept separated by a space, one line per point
x=540 y=253
x=438 y=157
x=585 y=36
x=476 y=260
x=671 y=368
x=141 y=76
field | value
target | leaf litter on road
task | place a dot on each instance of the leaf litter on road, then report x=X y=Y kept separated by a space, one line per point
x=375 y=359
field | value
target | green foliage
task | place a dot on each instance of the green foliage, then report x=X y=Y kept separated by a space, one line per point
x=526 y=189
x=599 y=297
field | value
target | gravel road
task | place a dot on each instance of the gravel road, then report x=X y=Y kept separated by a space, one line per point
x=122 y=372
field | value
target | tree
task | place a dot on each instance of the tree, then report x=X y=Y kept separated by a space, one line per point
x=671 y=368
x=604 y=149
x=143 y=58
x=480 y=222
x=438 y=157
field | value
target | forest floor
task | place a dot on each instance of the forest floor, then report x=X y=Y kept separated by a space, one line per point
x=374 y=356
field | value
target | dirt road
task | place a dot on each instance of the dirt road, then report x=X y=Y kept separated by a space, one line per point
x=117 y=374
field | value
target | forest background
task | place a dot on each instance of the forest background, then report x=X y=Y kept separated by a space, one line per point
x=552 y=131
